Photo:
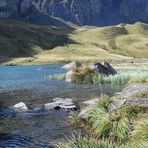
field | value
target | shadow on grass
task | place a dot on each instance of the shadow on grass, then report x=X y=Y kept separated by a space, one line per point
x=19 y=39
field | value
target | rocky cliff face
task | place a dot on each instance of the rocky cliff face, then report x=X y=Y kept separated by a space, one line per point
x=81 y=12
x=96 y=12
x=26 y=10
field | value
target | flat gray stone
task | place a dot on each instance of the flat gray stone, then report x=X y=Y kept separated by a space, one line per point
x=60 y=104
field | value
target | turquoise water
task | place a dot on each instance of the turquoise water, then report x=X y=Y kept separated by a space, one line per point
x=27 y=84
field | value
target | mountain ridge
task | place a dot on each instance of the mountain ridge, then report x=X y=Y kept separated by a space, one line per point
x=86 y=12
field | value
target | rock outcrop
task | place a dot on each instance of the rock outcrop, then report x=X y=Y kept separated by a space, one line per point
x=126 y=97
x=129 y=96
x=25 y=10
x=80 y=12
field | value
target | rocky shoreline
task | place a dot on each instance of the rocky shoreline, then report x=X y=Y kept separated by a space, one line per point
x=127 y=96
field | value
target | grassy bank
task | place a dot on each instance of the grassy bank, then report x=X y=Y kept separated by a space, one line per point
x=123 y=128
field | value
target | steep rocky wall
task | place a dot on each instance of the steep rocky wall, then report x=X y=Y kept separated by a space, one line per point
x=96 y=12
x=81 y=12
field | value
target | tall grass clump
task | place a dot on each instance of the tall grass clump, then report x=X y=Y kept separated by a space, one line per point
x=115 y=126
x=56 y=77
x=123 y=76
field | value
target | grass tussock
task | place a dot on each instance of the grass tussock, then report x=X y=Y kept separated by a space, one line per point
x=140 y=131
x=86 y=142
x=141 y=95
x=114 y=126
x=83 y=75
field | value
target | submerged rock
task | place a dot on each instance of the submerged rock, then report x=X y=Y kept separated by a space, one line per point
x=72 y=65
x=103 y=68
x=7 y=113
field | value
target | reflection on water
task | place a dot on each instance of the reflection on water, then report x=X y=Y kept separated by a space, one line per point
x=27 y=84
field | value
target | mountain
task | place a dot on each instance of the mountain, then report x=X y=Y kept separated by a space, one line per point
x=80 y=12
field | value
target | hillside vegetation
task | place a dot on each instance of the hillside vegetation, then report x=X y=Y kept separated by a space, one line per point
x=127 y=40
x=44 y=45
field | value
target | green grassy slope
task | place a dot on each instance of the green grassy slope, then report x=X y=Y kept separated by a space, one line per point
x=127 y=40
x=52 y=44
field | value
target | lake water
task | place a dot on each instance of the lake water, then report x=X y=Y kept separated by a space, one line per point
x=27 y=84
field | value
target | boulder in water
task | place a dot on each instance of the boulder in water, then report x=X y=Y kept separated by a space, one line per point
x=20 y=107
x=60 y=103
x=72 y=65
x=7 y=113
